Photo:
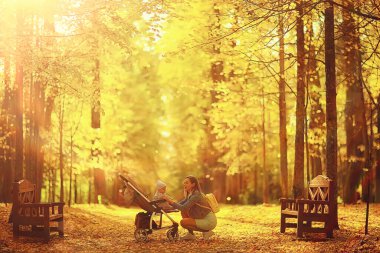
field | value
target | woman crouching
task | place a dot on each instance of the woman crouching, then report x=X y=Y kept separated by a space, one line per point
x=195 y=210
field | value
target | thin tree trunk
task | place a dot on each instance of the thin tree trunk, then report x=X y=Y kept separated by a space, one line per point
x=265 y=172
x=307 y=151
x=89 y=186
x=50 y=178
x=75 y=189
x=377 y=173
x=255 y=183
x=71 y=166
x=331 y=115
x=298 y=182
x=282 y=106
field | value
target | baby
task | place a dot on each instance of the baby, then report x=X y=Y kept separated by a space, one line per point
x=160 y=193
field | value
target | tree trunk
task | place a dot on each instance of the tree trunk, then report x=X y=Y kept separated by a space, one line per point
x=75 y=189
x=3 y=137
x=356 y=132
x=256 y=183
x=98 y=173
x=54 y=180
x=39 y=104
x=29 y=130
x=39 y=155
x=2 y=168
x=61 y=123
x=220 y=191
x=95 y=124
x=8 y=117
x=298 y=182
x=232 y=182
x=19 y=173
x=48 y=111
x=209 y=155
x=282 y=107
x=377 y=173
x=331 y=116
x=317 y=117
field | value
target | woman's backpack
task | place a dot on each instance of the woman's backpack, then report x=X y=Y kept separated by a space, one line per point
x=212 y=202
x=210 y=197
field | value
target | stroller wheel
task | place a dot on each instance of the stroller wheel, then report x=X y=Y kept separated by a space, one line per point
x=141 y=235
x=172 y=234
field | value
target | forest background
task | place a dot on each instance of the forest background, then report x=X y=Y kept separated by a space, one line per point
x=239 y=93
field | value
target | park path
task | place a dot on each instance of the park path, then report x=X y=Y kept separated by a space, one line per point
x=98 y=228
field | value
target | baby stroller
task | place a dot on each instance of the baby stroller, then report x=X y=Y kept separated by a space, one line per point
x=144 y=220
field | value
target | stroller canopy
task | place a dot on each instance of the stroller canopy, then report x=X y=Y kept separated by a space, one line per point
x=139 y=197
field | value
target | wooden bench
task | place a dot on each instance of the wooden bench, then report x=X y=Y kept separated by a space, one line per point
x=40 y=216
x=317 y=208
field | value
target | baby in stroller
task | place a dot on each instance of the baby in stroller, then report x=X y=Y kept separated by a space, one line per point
x=160 y=193
x=144 y=220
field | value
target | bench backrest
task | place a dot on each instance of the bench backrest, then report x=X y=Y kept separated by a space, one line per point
x=320 y=188
x=24 y=192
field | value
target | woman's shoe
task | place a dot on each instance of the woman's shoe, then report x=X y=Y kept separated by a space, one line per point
x=188 y=236
x=208 y=234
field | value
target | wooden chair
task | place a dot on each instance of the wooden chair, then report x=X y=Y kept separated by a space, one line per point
x=40 y=216
x=317 y=208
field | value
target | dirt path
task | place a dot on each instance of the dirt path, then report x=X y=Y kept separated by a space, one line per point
x=240 y=229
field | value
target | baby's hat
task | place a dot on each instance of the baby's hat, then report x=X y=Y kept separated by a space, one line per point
x=160 y=184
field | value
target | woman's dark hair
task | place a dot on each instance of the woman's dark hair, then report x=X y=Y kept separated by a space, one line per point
x=195 y=181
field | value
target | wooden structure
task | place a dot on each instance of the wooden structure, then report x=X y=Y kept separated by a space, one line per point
x=40 y=216
x=317 y=208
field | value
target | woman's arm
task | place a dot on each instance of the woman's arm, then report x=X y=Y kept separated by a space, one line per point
x=171 y=201
x=181 y=202
x=187 y=203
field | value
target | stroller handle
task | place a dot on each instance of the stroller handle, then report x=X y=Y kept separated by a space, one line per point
x=123 y=178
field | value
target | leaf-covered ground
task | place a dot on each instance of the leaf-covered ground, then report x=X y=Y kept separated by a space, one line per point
x=99 y=228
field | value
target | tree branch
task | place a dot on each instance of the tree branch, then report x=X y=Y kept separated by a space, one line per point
x=355 y=11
